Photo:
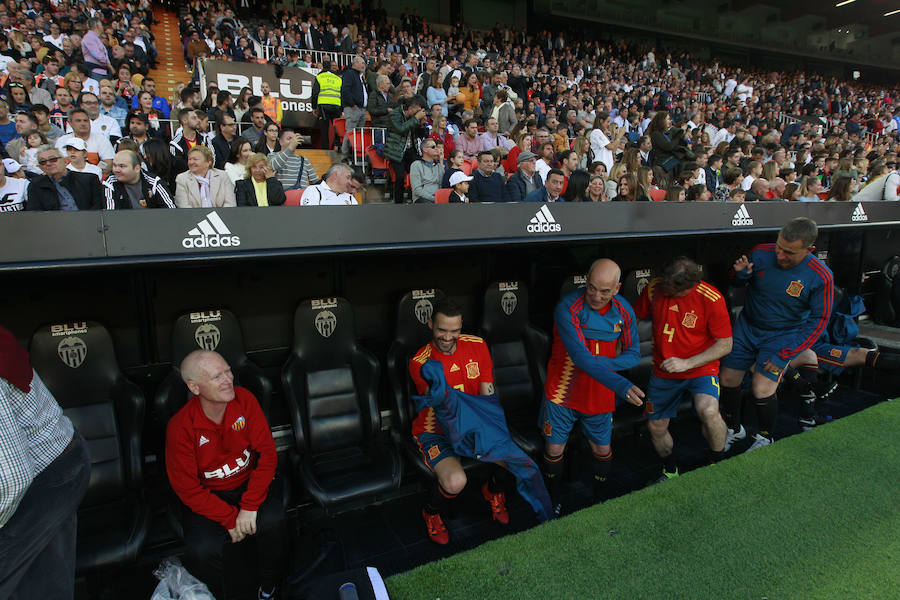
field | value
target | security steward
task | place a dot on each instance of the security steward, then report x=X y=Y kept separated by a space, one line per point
x=327 y=101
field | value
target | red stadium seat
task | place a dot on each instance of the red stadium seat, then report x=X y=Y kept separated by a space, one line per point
x=466 y=168
x=293 y=197
x=340 y=130
x=657 y=195
x=406 y=183
x=442 y=196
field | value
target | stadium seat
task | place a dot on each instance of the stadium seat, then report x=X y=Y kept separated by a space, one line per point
x=377 y=161
x=657 y=195
x=520 y=352
x=466 y=168
x=633 y=283
x=442 y=196
x=292 y=197
x=78 y=364
x=411 y=332
x=212 y=329
x=340 y=130
x=331 y=385
x=570 y=283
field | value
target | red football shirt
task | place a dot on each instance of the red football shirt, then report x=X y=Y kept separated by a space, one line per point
x=685 y=326
x=465 y=370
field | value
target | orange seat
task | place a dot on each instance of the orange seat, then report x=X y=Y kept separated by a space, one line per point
x=293 y=197
x=466 y=168
x=657 y=195
x=442 y=196
x=406 y=182
x=338 y=131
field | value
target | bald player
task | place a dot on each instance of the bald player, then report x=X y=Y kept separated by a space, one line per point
x=594 y=336
x=221 y=459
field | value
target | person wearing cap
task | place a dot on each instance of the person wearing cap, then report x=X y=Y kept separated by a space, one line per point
x=131 y=187
x=13 y=190
x=137 y=125
x=425 y=174
x=459 y=181
x=524 y=181
x=99 y=148
x=61 y=189
x=76 y=155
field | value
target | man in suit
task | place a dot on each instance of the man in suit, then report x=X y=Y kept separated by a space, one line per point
x=354 y=99
x=380 y=103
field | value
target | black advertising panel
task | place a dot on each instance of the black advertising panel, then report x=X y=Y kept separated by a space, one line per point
x=294 y=87
x=35 y=237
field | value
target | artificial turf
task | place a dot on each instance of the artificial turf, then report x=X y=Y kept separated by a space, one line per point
x=813 y=516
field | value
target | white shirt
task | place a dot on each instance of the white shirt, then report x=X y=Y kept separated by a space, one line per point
x=88 y=168
x=542 y=167
x=747 y=182
x=599 y=141
x=90 y=85
x=105 y=126
x=97 y=145
x=320 y=194
x=722 y=135
x=12 y=194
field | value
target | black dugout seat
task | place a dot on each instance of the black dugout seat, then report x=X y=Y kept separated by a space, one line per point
x=212 y=329
x=410 y=334
x=633 y=283
x=520 y=353
x=78 y=364
x=331 y=385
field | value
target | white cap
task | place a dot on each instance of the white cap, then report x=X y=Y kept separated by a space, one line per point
x=75 y=142
x=11 y=166
x=458 y=178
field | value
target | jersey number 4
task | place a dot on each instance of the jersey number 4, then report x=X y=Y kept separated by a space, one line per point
x=669 y=331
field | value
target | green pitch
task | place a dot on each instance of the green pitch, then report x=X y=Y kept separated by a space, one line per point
x=812 y=516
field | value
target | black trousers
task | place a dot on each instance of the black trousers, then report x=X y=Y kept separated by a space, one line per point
x=205 y=540
x=327 y=114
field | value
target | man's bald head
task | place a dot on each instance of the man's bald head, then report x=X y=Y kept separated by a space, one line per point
x=208 y=376
x=603 y=282
x=192 y=366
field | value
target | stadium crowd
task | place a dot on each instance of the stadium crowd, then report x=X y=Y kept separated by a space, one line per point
x=497 y=116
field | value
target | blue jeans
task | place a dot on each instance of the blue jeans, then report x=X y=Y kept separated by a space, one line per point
x=37 y=545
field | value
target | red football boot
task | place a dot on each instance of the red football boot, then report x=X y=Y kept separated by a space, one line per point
x=498 y=504
x=436 y=529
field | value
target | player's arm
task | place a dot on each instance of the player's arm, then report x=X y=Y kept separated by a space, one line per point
x=741 y=270
x=630 y=354
x=720 y=348
x=805 y=336
x=486 y=388
x=595 y=366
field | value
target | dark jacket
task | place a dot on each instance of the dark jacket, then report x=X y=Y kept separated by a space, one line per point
x=514 y=190
x=155 y=194
x=486 y=189
x=245 y=193
x=352 y=88
x=378 y=108
x=540 y=195
x=712 y=179
x=399 y=129
x=221 y=149
x=84 y=187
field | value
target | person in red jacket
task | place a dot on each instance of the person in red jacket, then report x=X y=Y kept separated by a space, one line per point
x=221 y=459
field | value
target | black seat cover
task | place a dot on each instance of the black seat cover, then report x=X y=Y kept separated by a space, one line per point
x=331 y=385
x=77 y=362
x=519 y=352
x=410 y=333
x=211 y=329
x=633 y=284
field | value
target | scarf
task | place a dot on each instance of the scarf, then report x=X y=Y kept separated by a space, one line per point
x=205 y=201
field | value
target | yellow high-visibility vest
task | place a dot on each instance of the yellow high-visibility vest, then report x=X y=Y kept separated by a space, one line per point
x=329 y=88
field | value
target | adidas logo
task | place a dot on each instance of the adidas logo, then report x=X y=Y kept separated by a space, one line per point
x=543 y=222
x=859 y=214
x=211 y=232
x=742 y=217
x=203 y=440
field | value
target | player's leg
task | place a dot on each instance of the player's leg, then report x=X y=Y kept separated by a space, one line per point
x=803 y=372
x=660 y=406
x=764 y=387
x=731 y=375
x=555 y=423
x=451 y=479
x=598 y=430
x=494 y=491
x=713 y=426
x=883 y=361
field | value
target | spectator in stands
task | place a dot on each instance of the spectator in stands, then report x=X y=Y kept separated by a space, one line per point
x=137 y=125
x=486 y=185
x=203 y=186
x=630 y=190
x=61 y=189
x=468 y=141
x=186 y=138
x=236 y=165
x=459 y=181
x=546 y=160
x=226 y=131
x=403 y=124
x=259 y=187
x=712 y=172
x=810 y=187
x=524 y=181
x=449 y=347
x=50 y=79
x=425 y=174
x=227 y=485
x=101 y=125
x=731 y=181
x=159 y=161
x=354 y=99
x=76 y=158
x=257 y=124
x=268 y=141
x=293 y=170
x=758 y=192
x=435 y=94
x=46 y=470
x=454 y=165
x=596 y=191
x=491 y=138
x=148 y=84
x=109 y=107
x=129 y=186
x=552 y=190
x=752 y=172
x=99 y=150
x=96 y=57
x=13 y=190
x=35 y=95
x=604 y=141
x=840 y=190
x=333 y=189
x=24 y=122
x=577 y=186
x=381 y=103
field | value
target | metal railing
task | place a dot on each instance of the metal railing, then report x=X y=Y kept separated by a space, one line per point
x=360 y=140
x=317 y=56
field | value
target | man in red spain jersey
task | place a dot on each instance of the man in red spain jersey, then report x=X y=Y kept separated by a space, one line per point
x=594 y=335
x=221 y=459
x=691 y=332
x=468 y=368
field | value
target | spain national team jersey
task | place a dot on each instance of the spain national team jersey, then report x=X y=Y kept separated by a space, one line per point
x=684 y=326
x=796 y=300
x=589 y=346
x=465 y=370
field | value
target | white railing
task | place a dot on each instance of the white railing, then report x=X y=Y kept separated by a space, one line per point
x=361 y=138
x=339 y=58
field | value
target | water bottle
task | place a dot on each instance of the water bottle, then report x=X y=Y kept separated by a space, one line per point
x=347 y=591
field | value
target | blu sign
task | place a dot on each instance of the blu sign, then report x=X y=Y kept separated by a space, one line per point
x=294 y=87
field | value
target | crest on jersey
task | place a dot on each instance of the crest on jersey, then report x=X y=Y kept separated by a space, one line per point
x=508 y=302
x=72 y=351
x=472 y=371
x=207 y=336
x=326 y=323
x=548 y=429
x=689 y=320
x=617 y=328
x=795 y=288
x=434 y=452
x=835 y=352
x=423 y=310
x=239 y=423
